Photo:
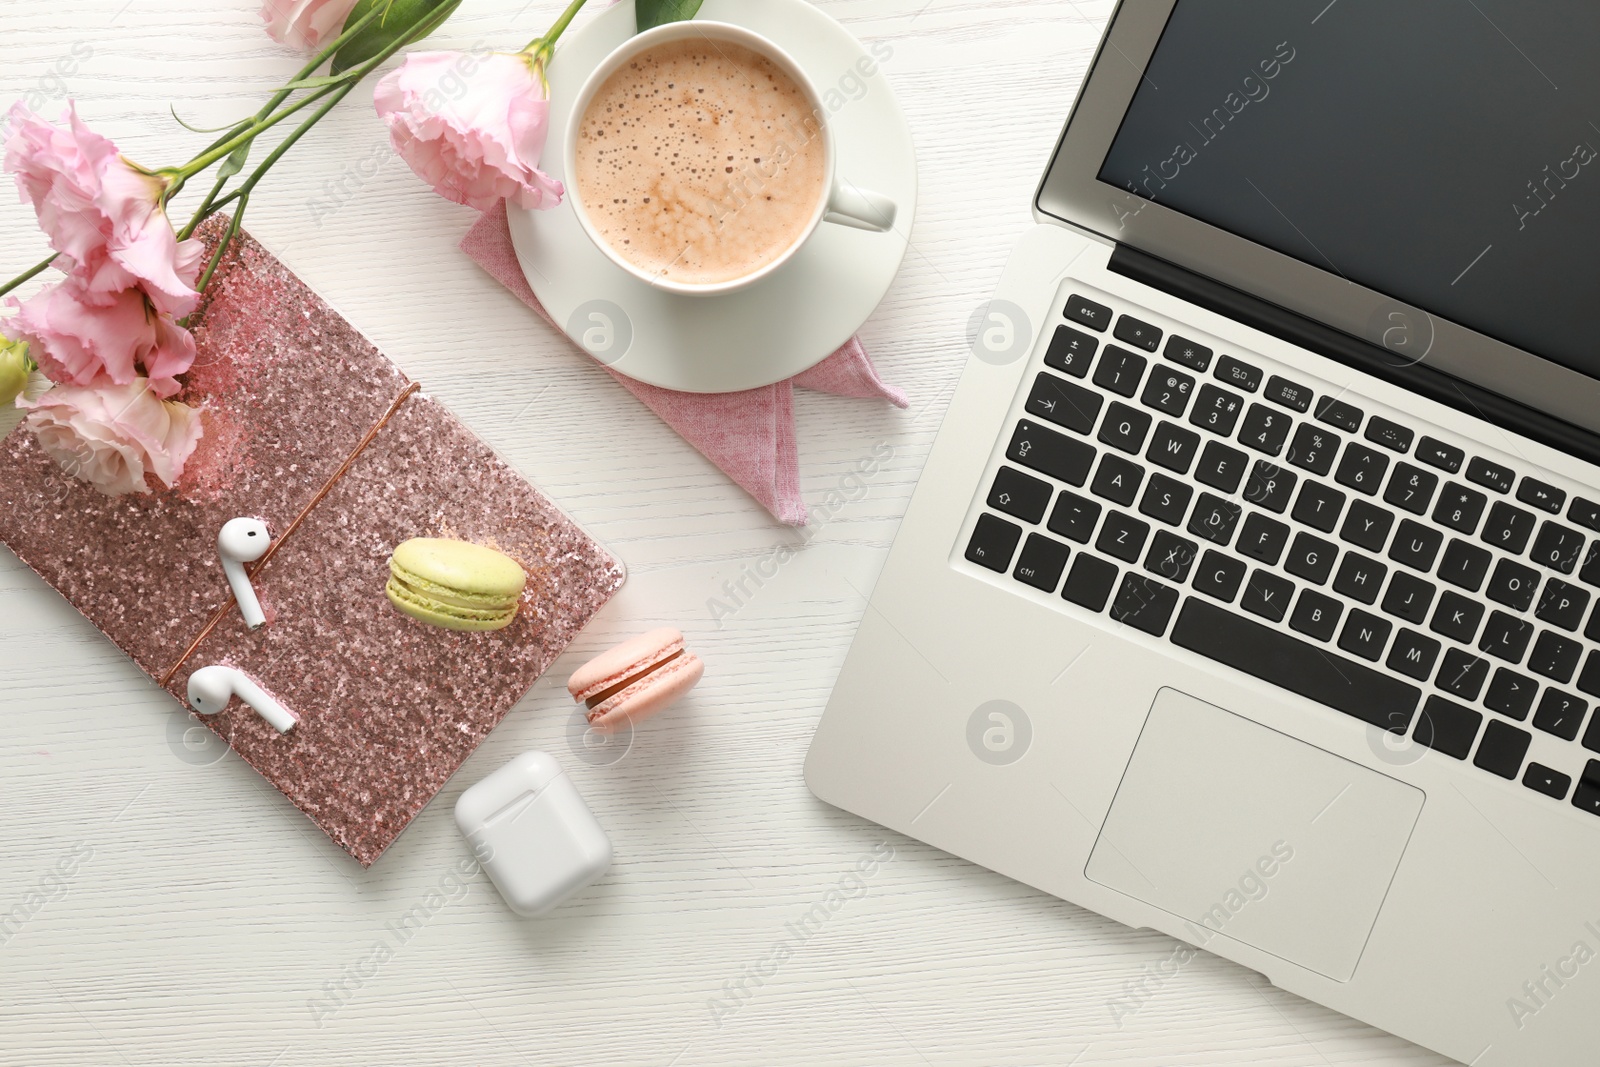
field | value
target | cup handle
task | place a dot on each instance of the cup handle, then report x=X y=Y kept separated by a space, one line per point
x=859 y=208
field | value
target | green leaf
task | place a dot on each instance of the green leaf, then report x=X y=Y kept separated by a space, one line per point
x=399 y=18
x=202 y=129
x=314 y=83
x=653 y=13
x=235 y=162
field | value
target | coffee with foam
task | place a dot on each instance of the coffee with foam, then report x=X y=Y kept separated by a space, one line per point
x=700 y=161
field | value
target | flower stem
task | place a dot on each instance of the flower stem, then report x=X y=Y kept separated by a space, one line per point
x=544 y=45
x=31 y=272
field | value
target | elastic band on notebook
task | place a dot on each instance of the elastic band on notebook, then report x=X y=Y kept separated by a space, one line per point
x=277 y=542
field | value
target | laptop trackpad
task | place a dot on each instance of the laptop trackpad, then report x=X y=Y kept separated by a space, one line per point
x=1249 y=833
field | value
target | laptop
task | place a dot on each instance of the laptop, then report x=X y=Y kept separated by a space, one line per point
x=1250 y=590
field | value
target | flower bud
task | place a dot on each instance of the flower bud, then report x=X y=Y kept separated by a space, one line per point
x=14 y=368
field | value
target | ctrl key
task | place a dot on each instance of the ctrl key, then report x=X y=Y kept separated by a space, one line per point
x=993 y=542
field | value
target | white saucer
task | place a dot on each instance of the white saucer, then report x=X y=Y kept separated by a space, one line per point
x=790 y=321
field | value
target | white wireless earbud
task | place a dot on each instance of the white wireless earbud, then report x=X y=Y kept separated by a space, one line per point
x=243 y=541
x=210 y=689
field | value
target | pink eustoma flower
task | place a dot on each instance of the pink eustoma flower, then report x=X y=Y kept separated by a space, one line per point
x=102 y=213
x=307 y=24
x=471 y=126
x=79 y=342
x=114 y=436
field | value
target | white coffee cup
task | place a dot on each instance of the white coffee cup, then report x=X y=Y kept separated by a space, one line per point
x=842 y=203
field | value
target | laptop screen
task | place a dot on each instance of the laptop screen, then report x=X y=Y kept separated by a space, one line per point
x=1443 y=152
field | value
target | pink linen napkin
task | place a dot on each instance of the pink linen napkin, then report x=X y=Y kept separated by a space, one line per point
x=749 y=434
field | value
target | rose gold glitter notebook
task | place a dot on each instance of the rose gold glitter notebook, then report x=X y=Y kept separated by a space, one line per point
x=305 y=419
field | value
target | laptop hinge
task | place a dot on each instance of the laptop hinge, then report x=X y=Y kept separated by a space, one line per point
x=1364 y=356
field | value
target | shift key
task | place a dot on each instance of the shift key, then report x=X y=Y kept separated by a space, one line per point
x=1048 y=452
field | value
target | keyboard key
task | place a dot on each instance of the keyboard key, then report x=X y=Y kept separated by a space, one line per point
x=1145 y=604
x=1089 y=582
x=1117 y=480
x=1563 y=605
x=1447 y=727
x=1216 y=410
x=1560 y=714
x=1263 y=539
x=1411 y=488
x=1313 y=449
x=1490 y=475
x=1074 y=517
x=1061 y=457
x=993 y=541
x=1438 y=454
x=1214 y=519
x=1589 y=573
x=1041 y=562
x=1460 y=508
x=1551 y=783
x=1462 y=674
x=1125 y=428
x=1019 y=495
x=1318 y=506
x=1119 y=370
x=1413 y=655
x=1544 y=497
x=1219 y=576
x=1191 y=355
x=1316 y=615
x=1416 y=545
x=1457 y=617
x=1221 y=467
x=1367 y=525
x=1508 y=528
x=1506 y=636
x=1085 y=311
x=1166 y=500
x=1558 y=547
x=1360 y=578
x=1071 y=351
x=1168 y=391
x=1589 y=679
x=1592 y=631
x=1408 y=598
x=1513 y=585
x=1142 y=335
x=1264 y=430
x=1502 y=749
x=1311 y=558
x=1555 y=657
x=1337 y=413
x=1064 y=403
x=1238 y=374
x=1171 y=556
x=1173 y=447
x=1365 y=635
x=1362 y=469
x=1591 y=736
x=1122 y=536
x=1585 y=513
x=1391 y=435
x=1465 y=564
x=1267 y=595
x=1587 y=796
x=1288 y=394
x=1511 y=694
x=1346 y=685
x=1270 y=486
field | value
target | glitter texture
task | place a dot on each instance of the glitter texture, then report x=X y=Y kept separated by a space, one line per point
x=389 y=707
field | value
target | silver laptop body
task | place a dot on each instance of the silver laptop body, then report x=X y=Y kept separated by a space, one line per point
x=1248 y=593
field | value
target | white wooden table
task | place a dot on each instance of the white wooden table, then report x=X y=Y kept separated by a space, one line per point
x=206 y=920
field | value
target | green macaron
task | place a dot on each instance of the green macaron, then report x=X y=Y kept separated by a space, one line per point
x=454 y=584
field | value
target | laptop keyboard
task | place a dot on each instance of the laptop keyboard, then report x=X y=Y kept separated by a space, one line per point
x=1346 y=557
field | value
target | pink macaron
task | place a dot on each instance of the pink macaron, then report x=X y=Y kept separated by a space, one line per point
x=636 y=679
